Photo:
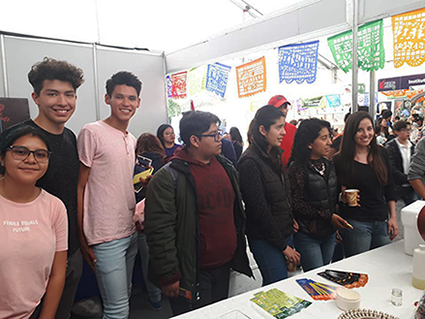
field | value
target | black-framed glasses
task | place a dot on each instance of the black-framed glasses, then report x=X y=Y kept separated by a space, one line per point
x=216 y=136
x=21 y=153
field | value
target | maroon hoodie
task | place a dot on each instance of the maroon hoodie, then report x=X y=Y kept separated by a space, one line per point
x=216 y=198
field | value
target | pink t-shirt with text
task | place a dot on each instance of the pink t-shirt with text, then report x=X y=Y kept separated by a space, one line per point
x=30 y=234
x=109 y=200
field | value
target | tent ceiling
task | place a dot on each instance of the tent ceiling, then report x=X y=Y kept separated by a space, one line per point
x=162 y=25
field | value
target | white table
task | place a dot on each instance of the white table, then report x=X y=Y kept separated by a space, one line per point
x=388 y=267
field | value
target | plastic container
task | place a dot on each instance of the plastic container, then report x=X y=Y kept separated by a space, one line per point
x=409 y=216
x=347 y=299
x=418 y=277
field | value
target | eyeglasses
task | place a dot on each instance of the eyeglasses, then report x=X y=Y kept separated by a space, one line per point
x=21 y=153
x=216 y=136
x=406 y=130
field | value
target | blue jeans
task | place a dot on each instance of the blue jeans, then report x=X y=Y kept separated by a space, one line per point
x=314 y=253
x=270 y=260
x=114 y=271
x=153 y=291
x=364 y=236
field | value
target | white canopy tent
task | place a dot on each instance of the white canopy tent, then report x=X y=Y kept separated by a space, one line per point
x=178 y=35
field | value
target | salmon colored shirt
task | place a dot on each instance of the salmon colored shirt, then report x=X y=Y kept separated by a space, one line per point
x=109 y=201
x=30 y=235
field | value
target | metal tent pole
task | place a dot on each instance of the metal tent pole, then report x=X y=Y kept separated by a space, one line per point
x=355 y=69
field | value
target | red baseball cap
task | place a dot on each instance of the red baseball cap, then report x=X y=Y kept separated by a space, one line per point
x=278 y=100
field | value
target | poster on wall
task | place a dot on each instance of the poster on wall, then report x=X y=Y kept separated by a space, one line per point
x=409 y=38
x=298 y=62
x=13 y=111
x=251 y=77
x=217 y=78
x=370 y=47
x=178 y=85
x=400 y=82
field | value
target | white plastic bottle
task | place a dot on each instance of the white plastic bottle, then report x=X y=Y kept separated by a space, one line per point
x=418 y=280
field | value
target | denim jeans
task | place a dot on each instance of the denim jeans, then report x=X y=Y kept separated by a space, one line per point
x=270 y=260
x=153 y=291
x=364 y=236
x=114 y=271
x=314 y=252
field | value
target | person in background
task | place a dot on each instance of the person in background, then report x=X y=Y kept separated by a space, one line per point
x=381 y=131
x=150 y=147
x=293 y=122
x=166 y=135
x=34 y=229
x=195 y=220
x=237 y=141
x=336 y=140
x=364 y=165
x=314 y=194
x=416 y=175
x=400 y=151
x=266 y=192
x=55 y=85
x=280 y=102
x=228 y=151
x=106 y=201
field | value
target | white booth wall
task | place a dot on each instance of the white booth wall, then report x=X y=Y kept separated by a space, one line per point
x=22 y=52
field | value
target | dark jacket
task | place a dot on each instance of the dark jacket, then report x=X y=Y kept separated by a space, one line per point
x=266 y=193
x=172 y=226
x=318 y=199
x=396 y=162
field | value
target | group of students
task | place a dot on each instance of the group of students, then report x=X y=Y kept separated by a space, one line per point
x=62 y=199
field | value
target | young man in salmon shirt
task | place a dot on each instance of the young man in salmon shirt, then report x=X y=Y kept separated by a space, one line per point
x=106 y=200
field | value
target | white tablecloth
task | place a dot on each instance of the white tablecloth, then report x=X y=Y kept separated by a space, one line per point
x=388 y=267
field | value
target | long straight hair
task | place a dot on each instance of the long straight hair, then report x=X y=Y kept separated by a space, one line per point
x=348 y=148
x=266 y=116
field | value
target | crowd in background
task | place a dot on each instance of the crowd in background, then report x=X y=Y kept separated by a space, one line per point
x=189 y=209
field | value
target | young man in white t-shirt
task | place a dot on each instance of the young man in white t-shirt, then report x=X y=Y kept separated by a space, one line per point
x=106 y=200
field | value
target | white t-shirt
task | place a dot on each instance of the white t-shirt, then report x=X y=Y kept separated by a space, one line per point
x=30 y=234
x=109 y=201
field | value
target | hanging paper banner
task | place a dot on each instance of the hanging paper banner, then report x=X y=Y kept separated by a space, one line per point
x=169 y=87
x=251 y=77
x=313 y=102
x=370 y=47
x=298 y=62
x=217 y=77
x=178 y=81
x=333 y=100
x=409 y=38
x=196 y=80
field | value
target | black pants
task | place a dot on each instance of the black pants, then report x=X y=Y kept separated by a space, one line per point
x=213 y=287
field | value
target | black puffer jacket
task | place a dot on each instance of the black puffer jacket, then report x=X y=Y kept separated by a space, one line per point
x=266 y=194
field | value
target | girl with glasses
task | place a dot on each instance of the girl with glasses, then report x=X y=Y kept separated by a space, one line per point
x=166 y=135
x=33 y=232
x=266 y=192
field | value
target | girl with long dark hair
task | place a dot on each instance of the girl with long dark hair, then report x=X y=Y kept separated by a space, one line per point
x=237 y=141
x=364 y=165
x=314 y=194
x=266 y=192
x=166 y=135
x=34 y=229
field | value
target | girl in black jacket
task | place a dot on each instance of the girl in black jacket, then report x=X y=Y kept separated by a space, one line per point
x=266 y=193
x=314 y=194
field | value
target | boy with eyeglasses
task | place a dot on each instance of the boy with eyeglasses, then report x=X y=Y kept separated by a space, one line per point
x=106 y=201
x=195 y=220
x=55 y=85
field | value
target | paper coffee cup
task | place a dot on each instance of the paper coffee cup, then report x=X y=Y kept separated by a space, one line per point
x=352 y=196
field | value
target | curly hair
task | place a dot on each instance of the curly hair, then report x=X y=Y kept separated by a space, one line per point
x=52 y=69
x=148 y=142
